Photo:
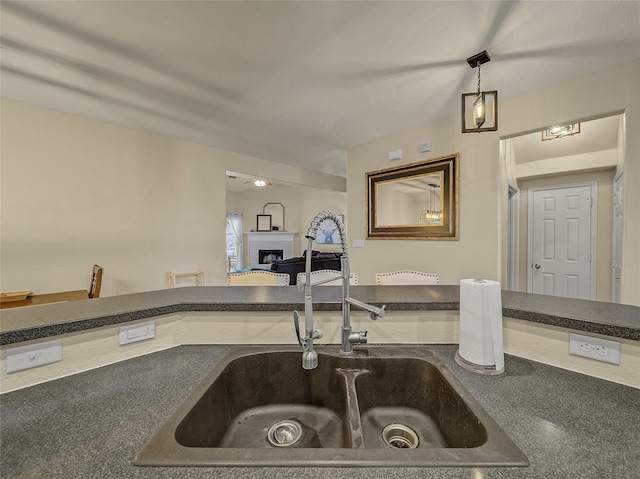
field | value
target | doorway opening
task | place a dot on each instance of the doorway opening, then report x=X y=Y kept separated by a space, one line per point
x=528 y=161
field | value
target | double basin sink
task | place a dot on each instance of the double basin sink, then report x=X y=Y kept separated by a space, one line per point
x=380 y=406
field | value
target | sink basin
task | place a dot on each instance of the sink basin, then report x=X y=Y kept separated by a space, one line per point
x=380 y=406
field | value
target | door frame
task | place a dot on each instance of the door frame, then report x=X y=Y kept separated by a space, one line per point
x=616 y=237
x=593 y=231
x=513 y=236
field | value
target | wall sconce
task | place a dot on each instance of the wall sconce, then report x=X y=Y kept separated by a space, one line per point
x=479 y=109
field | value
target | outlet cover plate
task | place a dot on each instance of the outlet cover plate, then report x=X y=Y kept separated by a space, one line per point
x=136 y=332
x=594 y=348
x=33 y=355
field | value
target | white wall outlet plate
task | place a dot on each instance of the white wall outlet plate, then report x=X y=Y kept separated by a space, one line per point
x=594 y=348
x=425 y=147
x=33 y=355
x=357 y=243
x=136 y=332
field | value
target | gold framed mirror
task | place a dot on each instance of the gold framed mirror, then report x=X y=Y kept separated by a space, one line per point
x=414 y=201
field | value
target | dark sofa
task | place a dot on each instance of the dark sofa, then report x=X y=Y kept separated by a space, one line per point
x=296 y=265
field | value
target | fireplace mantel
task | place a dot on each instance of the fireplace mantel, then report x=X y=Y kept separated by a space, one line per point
x=270 y=235
x=269 y=240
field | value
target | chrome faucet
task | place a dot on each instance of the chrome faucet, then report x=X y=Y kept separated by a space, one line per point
x=349 y=337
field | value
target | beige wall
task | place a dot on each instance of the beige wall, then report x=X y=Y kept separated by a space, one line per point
x=480 y=250
x=603 y=232
x=77 y=191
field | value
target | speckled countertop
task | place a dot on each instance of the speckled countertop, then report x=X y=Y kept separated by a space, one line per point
x=35 y=322
x=90 y=425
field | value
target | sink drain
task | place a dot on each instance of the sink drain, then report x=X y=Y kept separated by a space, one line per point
x=284 y=433
x=400 y=436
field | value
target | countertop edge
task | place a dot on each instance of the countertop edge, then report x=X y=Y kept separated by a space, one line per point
x=588 y=316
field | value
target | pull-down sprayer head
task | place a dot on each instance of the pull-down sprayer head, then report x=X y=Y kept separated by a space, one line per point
x=328 y=215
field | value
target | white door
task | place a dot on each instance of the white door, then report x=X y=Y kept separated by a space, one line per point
x=616 y=254
x=562 y=241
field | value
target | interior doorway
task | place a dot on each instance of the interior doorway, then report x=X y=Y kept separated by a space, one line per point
x=595 y=154
x=562 y=240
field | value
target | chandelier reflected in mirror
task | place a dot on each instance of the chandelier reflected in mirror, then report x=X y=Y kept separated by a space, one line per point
x=432 y=215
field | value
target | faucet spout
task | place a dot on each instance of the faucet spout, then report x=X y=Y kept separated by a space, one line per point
x=374 y=311
x=309 y=356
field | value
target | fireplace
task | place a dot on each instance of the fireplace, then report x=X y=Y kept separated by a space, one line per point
x=263 y=246
x=268 y=256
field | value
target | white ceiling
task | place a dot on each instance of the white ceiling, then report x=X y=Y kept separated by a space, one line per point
x=297 y=82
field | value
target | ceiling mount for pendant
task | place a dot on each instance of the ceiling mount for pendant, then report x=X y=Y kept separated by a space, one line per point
x=478 y=59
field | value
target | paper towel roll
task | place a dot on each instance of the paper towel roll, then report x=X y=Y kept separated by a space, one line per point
x=481 y=343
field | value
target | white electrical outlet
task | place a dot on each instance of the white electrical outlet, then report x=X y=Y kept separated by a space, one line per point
x=357 y=244
x=594 y=348
x=136 y=332
x=33 y=355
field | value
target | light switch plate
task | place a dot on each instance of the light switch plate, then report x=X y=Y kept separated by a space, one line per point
x=136 y=332
x=33 y=355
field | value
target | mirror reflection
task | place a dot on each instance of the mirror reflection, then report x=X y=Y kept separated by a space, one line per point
x=414 y=201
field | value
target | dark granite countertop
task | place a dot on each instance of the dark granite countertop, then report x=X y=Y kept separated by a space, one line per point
x=91 y=425
x=35 y=322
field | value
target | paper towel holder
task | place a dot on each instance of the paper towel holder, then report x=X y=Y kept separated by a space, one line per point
x=477 y=368
x=481 y=348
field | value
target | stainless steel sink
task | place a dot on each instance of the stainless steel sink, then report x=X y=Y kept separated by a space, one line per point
x=381 y=406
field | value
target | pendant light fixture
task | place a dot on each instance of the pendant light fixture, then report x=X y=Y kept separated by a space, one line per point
x=479 y=109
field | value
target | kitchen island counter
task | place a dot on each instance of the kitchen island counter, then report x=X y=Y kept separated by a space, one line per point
x=90 y=425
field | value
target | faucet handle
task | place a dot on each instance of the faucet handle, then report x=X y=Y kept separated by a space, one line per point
x=358 y=337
